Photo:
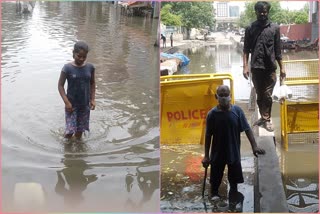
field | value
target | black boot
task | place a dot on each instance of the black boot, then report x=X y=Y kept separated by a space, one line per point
x=233 y=187
x=214 y=194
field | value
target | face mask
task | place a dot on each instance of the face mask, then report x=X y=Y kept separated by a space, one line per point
x=224 y=101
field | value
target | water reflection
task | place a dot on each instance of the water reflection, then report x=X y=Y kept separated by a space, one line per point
x=72 y=180
x=147 y=179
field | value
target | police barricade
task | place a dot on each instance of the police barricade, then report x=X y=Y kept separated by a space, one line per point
x=300 y=114
x=185 y=101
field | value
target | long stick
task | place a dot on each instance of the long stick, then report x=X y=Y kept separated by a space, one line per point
x=204 y=181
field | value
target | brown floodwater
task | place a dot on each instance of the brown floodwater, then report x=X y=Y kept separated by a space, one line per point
x=116 y=166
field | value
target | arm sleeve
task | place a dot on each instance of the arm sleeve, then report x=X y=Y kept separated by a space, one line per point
x=244 y=126
x=64 y=69
x=93 y=68
x=209 y=125
x=247 y=43
x=277 y=45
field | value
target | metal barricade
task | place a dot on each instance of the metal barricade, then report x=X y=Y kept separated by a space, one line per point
x=185 y=101
x=300 y=114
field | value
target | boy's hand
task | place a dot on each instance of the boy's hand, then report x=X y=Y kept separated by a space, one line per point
x=259 y=151
x=205 y=162
x=92 y=104
x=68 y=107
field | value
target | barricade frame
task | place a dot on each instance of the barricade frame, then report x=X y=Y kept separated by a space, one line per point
x=285 y=106
x=189 y=79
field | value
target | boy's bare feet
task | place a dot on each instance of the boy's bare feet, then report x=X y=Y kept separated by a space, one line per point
x=78 y=135
x=68 y=136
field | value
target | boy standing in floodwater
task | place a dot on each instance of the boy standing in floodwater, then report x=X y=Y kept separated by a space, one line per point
x=224 y=124
x=80 y=97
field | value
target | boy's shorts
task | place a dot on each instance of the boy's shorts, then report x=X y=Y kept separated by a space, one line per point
x=78 y=120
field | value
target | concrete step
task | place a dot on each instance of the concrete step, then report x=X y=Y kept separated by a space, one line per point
x=269 y=190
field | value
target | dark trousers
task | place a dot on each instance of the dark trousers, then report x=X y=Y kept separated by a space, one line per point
x=164 y=43
x=171 y=43
x=264 y=82
x=235 y=175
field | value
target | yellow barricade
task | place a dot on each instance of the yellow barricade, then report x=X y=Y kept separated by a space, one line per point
x=185 y=101
x=300 y=114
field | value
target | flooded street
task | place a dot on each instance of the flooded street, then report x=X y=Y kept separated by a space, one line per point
x=120 y=155
x=182 y=181
x=181 y=170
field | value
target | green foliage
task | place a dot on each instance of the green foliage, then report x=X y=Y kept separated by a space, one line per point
x=275 y=11
x=276 y=14
x=248 y=15
x=192 y=14
x=168 y=18
x=301 y=17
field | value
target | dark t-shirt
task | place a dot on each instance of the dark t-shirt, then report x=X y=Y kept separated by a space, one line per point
x=263 y=42
x=225 y=127
x=78 y=79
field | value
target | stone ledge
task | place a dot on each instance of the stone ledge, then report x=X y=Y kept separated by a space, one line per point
x=269 y=192
x=269 y=187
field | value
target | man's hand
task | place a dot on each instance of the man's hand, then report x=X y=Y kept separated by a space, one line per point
x=282 y=76
x=245 y=72
x=259 y=151
x=205 y=162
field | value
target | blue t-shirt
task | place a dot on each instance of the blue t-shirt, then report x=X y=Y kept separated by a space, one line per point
x=225 y=127
x=78 y=79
